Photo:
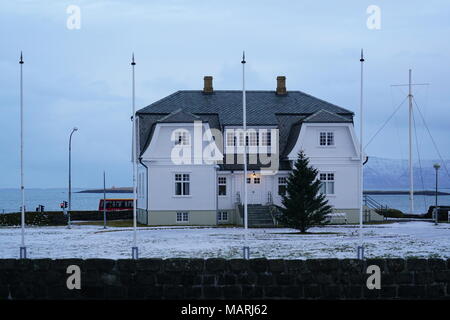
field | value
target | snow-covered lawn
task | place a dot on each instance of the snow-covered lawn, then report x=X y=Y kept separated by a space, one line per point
x=401 y=239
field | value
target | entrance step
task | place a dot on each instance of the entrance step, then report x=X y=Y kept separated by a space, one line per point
x=258 y=216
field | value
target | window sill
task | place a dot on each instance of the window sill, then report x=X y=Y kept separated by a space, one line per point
x=189 y=196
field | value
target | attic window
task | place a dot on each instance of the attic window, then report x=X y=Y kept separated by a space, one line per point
x=326 y=139
x=182 y=137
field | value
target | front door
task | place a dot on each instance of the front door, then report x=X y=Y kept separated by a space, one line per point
x=254 y=189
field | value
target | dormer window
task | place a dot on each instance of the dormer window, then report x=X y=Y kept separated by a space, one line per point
x=326 y=139
x=182 y=137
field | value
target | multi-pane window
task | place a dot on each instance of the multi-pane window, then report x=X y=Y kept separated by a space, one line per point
x=222 y=216
x=222 y=182
x=182 y=216
x=326 y=138
x=182 y=184
x=182 y=138
x=256 y=180
x=282 y=183
x=231 y=139
x=327 y=183
x=252 y=138
x=266 y=138
x=249 y=180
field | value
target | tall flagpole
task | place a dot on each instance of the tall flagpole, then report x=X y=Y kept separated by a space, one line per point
x=23 y=248
x=244 y=121
x=361 y=170
x=104 y=200
x=134 y=250
x=244 y=124
x=411 y=179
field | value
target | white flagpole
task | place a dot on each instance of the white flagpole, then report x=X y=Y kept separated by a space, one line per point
x=23 y=248
x=244 y=111
x=246 y=250
x=134 y=250
x=361 y=171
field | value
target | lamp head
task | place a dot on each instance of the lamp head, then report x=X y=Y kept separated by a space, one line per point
x=436 y=166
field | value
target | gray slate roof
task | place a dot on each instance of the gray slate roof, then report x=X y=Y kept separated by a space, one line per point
x=326 y=116
x=224 y=108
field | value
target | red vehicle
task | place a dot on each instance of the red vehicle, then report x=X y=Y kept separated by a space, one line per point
x=116 y=204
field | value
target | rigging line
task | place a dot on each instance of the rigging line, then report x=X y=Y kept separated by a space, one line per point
x=432 y=139
x=398 y=133
x=418 y=156
x=384 y=124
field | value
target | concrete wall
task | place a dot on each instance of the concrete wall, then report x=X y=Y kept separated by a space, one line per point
x=225 y=279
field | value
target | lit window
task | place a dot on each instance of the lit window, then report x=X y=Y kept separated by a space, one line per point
x=282 y=185
x=327 y=183
x=182 y=216
x=222 y=182
x=182 y=184
x=326 y=139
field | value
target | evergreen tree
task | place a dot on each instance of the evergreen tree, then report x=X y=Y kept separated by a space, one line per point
x=304 y=204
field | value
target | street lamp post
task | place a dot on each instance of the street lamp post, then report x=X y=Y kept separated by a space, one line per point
x=70 y=176
x=436 y=167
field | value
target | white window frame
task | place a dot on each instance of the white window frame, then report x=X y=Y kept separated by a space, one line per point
x=182 y=181
x=182 y=137
x=329 y=137
x=222 y=183
x=330 y=179
x=266 y=138
x=183 y=215
x=231 y=138
x=282 y=181
x=220 y=215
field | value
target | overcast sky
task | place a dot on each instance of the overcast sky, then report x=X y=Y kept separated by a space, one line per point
x=82 y=78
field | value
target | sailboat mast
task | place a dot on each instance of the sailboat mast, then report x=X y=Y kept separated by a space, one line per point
x=411 y=179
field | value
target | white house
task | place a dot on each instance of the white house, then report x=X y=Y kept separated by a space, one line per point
x=191 y=144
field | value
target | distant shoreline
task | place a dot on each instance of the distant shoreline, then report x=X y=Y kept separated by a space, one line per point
x=405 y=192
x=369 y=192
x=109 y=190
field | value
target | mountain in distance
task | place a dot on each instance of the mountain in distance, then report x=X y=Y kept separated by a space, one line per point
x=393 y=174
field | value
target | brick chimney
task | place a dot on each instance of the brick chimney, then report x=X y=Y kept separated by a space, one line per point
x=281 y=86
x=207 y=86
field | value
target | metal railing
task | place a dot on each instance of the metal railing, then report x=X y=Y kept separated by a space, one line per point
x=269 y=198
x=372 y=204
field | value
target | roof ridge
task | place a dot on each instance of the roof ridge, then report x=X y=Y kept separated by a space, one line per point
x=308 y=118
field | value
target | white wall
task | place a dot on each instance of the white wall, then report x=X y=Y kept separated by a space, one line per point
x=162 y=169
x=340 y=159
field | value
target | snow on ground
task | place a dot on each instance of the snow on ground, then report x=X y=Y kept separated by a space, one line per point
x=400 y=239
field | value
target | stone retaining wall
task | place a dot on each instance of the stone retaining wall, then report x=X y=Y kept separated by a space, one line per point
x=224 y=279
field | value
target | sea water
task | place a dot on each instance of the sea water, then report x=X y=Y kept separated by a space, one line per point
x=11 y=199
